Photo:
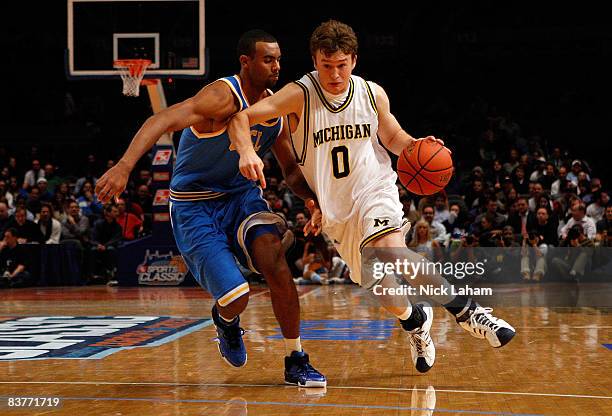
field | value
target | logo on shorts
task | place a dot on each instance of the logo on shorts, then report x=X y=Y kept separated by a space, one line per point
x=381 y=221
x=87 y=337
x=161 y=269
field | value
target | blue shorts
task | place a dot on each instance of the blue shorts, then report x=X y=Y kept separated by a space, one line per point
x=212 y=234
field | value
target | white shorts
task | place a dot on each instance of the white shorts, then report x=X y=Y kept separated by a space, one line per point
x=378 y=213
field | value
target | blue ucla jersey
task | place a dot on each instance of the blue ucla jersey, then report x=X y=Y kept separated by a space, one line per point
x=207 y=165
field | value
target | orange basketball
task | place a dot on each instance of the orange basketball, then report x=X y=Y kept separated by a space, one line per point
x=427 y=169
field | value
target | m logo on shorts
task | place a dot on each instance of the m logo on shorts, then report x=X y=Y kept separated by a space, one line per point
x=380 y=221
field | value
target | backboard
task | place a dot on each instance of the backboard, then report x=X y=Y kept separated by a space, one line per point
x=168 y=32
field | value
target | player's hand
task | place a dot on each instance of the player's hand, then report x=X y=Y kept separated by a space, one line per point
x=314 y=223
x=251 y=167
x=112 y=183
x=432 y=139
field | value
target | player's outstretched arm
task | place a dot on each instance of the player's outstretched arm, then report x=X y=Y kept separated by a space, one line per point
x=214 y=102
x=391 y=134
x=287 y=101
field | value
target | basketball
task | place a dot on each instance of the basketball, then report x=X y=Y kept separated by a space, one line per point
x=427 y=169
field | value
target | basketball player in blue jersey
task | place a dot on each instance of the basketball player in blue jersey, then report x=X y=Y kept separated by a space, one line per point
x=219 y=215
x=341 y=129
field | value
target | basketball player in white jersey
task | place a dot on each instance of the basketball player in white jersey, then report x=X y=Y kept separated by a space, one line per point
x=336 y=120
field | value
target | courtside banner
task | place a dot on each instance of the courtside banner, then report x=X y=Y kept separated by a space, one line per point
x=494 y=276
x=87 y=337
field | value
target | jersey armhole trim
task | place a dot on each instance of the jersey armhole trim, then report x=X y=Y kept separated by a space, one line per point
x=371 y=96
x=306 y=120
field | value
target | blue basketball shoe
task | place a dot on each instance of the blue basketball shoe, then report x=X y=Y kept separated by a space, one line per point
x=299 y=372
x=229 y=337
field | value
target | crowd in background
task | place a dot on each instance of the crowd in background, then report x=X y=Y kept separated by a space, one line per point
x=509 y=190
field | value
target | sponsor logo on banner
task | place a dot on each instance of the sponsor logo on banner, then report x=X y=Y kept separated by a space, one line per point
x=162 y=157
x=161 y=176
x=162 y=196
x=87 y=337
x=161 y=269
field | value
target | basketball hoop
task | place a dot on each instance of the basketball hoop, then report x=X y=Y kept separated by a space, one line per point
x=131 y=71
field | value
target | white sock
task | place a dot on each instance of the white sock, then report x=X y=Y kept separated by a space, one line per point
x=406 y=313
x=292 y=345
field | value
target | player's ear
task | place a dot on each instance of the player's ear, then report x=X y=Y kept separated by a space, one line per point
x=354 y=61
x=314 y=60
x=244 y=60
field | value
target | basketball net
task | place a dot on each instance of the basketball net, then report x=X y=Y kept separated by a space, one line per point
x=131 y=71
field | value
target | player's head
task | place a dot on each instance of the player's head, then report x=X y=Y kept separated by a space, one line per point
x=259 y=56
x=333 y=46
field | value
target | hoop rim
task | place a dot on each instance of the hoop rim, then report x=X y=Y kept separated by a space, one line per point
x=126 y=63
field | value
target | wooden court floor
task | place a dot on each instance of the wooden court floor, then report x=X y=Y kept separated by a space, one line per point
x=560 y=363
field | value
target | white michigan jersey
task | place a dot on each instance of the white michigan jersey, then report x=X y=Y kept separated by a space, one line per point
x=337 y=147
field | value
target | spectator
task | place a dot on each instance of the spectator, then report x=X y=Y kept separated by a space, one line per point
x=513 y=163
x=578 y=254
x=474 y=195
x=523 y=220
x=488 y=235
x=441 y=207
x=13 y=262
x=105 y=239
x=317 y=261
x=597 y=209
x=438 y=231
x=535 y=194
x=457 y=222
x=45 y=195
x=34 y=202
x=88 y=202
x=52 y=179
x=50 y=228
x=75 y=226
x=499 y=220
x=12 y=192
x=556 y=158
x=561 y=185
x=496 y=176
x=550 y=175
x=604 y=229
x=546 y=227
x=144 y=199
x=422 y=242
x=27 y=230
x=572 y=176
x=4 y=216
x=131 y=225
x=538 y=173
x=519 y=181
x=588 y=226
x=31 y=176
x=410 y=210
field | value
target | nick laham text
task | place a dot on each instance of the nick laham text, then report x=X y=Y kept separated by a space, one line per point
x=431 y=290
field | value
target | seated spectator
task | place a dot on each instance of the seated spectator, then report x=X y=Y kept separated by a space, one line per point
x=4 y=216
x=75 y=226
x=144 y=199
x=577 y=167
x=53 y=180
x=423 y=243
x=13 y=262
x=33 y=203
x=491 y=208
x=488 y=234
x=441 y=207
x=31 y=176
x=546 y=227
x=131 y=225
x=438 y=232
x=410 y=210
x=523 y=220
x=27 y=230
x=538 y=173
x=578 y=256
x=457 y=222
x=513 y=161
x=316 y=261
x=105 y=239
x=550 y=176
x=597 y=209
x=88 y=201
x=588 y=226
x=44 y=194
x=604 y=229
x=50 y=228
x=536 y=191
x=496 y=176
x=519 y=181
